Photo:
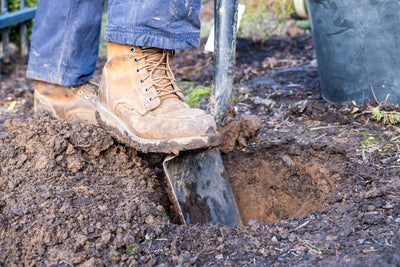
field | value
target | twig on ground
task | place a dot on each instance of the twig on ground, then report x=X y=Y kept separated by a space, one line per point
x=197 y=256
x=323 y=127
x=389 y=245
x=313 y=247
x=301 y=226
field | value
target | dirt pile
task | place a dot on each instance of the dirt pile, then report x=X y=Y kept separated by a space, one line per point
x=68 y=192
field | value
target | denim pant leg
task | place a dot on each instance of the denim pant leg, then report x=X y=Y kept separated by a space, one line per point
x=65 y=41
x=155 y=23
x=66 y=33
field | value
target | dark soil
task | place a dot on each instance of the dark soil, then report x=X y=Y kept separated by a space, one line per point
x=316 y=183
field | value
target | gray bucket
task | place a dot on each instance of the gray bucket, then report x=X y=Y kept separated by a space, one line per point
x=357 y=43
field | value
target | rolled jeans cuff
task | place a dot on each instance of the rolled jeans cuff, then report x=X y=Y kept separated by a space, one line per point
x=55 y=77
x=152 y=38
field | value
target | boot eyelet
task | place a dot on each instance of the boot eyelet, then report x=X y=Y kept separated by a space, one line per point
x=141 y=81
x=137 y=70
x=132 y=50
x=73 y=87
x=87 y=96
x=94 y=100
x=136 y=60
x=146 y=90
x=150 y=99
x=80 y=92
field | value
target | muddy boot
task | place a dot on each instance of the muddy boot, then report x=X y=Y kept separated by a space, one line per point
x=68 y=103
x=142 y=105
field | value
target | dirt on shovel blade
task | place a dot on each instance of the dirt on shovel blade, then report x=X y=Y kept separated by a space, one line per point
x=316 y=183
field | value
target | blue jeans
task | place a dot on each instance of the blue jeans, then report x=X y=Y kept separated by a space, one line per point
x=66 y=33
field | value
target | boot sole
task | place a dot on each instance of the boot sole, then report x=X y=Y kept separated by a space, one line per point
x=121 y=131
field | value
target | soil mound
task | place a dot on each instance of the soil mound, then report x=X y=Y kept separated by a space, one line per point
x=68 y=192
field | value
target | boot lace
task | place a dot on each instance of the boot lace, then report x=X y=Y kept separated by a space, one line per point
x=159 y=72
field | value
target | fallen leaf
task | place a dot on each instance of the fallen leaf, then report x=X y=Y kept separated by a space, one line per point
x=355 y=109
x=11 y=106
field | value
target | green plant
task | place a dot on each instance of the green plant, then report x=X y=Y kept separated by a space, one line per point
x=132 y=249
x=390 y=117
x=196 y=93
x=165 y=216
x=262 y=18
x=235 y=99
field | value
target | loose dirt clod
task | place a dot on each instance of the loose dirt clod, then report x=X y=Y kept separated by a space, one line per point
x=237 y=132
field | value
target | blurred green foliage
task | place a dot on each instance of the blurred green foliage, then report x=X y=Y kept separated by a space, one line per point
x=264 y=18
x=13 y=5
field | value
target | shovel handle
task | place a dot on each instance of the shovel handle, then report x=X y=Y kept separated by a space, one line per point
x=224 y=56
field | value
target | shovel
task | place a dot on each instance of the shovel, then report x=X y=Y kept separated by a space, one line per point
x=197 y=178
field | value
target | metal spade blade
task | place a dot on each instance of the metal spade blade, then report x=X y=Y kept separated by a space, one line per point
x=201 y=188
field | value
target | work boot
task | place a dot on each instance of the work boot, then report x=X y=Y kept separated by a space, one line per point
x=68 y=103
x=142 y=105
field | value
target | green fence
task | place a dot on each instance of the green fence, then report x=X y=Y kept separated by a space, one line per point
x=16 y=17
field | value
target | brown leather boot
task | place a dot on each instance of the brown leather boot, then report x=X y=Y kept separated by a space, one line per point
x=68 y=103
x=142 y=105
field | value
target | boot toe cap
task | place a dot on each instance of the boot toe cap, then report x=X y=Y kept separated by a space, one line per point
x=178 y=124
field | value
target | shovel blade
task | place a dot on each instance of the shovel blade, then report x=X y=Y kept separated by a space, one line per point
x=201 y=189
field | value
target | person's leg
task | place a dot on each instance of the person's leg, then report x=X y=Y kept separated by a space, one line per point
x=154 y=23
x=64 y=51
x=138 y=95
x=65 y=41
